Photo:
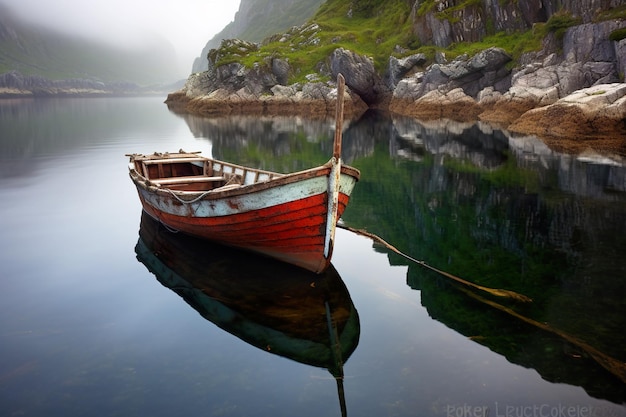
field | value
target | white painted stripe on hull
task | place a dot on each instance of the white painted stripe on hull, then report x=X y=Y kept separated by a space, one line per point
x=247 y=202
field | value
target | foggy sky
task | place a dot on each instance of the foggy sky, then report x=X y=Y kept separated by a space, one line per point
x=186 y=24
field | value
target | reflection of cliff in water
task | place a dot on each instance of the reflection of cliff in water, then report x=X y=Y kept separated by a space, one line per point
x=295 y=141
x=554 y=357
x=544 y=225
x=500 y=211
x=283 y=144
x=483 y=147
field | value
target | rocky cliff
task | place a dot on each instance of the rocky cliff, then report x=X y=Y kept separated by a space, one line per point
x=443 y=22
x=559 y=74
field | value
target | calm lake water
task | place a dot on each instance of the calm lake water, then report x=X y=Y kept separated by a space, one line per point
x=103 y=313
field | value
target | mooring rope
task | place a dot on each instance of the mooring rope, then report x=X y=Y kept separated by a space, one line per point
x=615 y=366
x=231 y=181
x=183 y=201
x=494 y=291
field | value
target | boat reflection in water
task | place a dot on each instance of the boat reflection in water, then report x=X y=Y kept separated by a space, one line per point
x=274 y=306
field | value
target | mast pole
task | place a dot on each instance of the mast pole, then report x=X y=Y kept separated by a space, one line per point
x=341 y=84
x=334 y=176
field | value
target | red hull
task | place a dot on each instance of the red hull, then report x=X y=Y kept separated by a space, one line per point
x=292 y=232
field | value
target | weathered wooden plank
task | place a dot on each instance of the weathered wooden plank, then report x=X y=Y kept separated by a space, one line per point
x=186 y=180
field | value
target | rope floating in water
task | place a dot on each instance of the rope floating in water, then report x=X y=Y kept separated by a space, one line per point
x=493 y=291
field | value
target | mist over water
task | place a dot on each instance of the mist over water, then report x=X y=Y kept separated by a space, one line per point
x=175 y=31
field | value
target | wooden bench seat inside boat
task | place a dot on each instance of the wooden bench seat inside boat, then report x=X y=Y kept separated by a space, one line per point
x=187 y=180
x=186 y=174
x=159 y=169
x=198 y=183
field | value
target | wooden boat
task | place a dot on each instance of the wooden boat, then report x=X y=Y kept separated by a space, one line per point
x=291 y=217
x=274 y=306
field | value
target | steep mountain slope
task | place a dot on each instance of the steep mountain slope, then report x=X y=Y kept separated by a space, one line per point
x=33 y=51
x=257 y=19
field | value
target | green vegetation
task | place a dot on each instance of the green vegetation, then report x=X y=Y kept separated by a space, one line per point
x=560 y=22
x=378 y=29
x=618 y=12
x=373 y=28
x=618 y=35
x=515 y=44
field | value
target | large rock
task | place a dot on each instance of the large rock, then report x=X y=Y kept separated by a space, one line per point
x=314 y=99
x=437 y=104
x=588 y=58
x=398 y=68
x=487 y=68
x=466 y=75
x=234 y=88
x=280 y=69
x=360 y=75
x=593 y=113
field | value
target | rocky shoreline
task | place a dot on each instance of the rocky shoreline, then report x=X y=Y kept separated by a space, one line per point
x=317 y=101
x=590 y=118
x=571 y=93
x=571 y=125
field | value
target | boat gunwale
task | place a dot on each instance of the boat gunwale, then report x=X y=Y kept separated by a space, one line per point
x=243 y=189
